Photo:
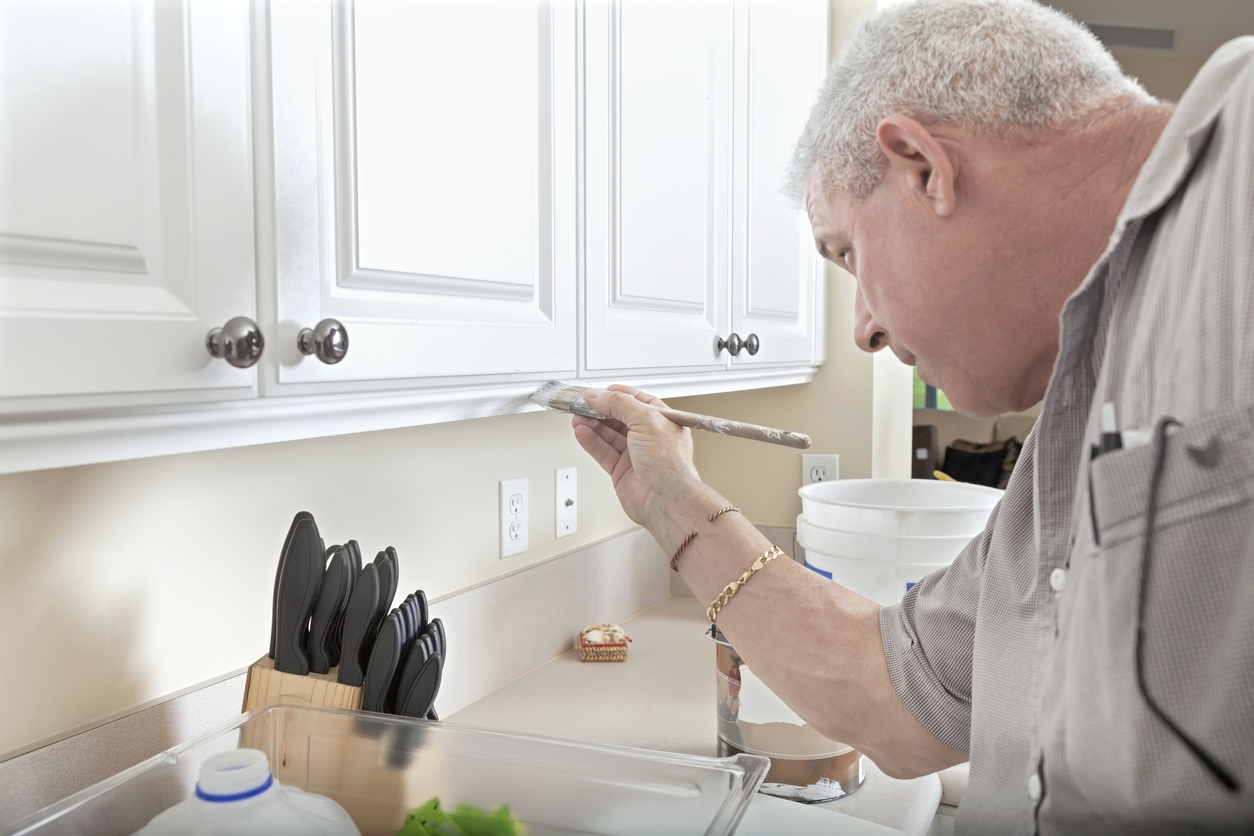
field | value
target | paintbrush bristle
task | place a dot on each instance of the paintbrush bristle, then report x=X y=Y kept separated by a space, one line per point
x=564 y=396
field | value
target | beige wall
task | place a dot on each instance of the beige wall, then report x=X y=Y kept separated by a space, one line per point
x=123 y=582
x=1164 y=78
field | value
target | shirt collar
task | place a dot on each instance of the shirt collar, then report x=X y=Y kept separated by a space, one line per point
x=1186 y=133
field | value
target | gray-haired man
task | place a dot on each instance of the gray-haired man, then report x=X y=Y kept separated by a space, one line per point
x=1024 y=223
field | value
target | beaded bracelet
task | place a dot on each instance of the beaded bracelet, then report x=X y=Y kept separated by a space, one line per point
x=732 y=588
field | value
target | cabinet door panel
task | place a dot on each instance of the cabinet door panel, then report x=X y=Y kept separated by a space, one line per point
x=126 y=211
x=424 y=183
x=657 y=142
x=780 y=58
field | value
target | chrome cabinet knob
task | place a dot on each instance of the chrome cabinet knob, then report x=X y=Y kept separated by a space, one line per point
x=733 y=344
x=239 y=342
x=328 y=341
x=752 y=344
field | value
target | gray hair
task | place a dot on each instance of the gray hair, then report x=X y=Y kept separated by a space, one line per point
x=1009 y=67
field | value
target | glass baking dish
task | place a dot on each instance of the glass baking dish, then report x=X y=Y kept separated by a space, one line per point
x=381 y=766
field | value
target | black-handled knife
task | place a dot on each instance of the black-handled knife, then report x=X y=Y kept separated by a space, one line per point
x=336 y=588
x=384 y=659
x=278 y=577
x=387 y=588
x=359 y=626
x=424 y=611
x=441 y=638
x=337 y=630
x=419 y=701
x=300 y=580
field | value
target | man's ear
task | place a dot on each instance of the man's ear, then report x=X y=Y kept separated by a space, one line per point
x=929 y=169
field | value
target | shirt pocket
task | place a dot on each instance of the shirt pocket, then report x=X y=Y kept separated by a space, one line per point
x=1208 y=466
x=1198 y=619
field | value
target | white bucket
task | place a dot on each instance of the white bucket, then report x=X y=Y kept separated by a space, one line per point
x=899 y=507
x=878 y=547
x=883 y=583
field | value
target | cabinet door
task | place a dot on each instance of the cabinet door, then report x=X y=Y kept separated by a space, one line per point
x=424 y=177
x=781 y=54
x=658 y=136
x=126 y=218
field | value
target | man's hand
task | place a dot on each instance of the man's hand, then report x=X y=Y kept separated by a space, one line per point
x=648 y=457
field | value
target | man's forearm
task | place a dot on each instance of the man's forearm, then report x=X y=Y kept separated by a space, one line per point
x=814 y=642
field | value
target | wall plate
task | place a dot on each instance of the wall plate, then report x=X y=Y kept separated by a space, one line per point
x=819 y=467
x=566 y=500
x=515 y=510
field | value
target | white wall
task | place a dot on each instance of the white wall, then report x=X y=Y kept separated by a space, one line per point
x=123 y=582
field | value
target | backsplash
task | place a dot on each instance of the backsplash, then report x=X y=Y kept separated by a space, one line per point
x=498 y=631
x=131 y=581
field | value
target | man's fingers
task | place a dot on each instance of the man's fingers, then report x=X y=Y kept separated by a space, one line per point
x=621 y=405
x=651 y=400
x=643 y=397
x=601 y=451
x=610 y=434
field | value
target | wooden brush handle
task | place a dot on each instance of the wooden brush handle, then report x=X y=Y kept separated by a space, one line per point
x=737 y=428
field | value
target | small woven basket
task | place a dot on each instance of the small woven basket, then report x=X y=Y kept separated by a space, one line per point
x=609 y=652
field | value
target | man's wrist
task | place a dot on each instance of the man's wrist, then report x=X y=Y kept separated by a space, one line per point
x=680 y=511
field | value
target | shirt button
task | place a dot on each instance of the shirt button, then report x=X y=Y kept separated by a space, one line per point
x=1034 y=787
x=1058 y=579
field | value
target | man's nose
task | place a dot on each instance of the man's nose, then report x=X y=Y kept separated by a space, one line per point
x=867 y=333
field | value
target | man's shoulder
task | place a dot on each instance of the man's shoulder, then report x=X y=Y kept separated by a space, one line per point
x=1223 y=86
x=1228 y=75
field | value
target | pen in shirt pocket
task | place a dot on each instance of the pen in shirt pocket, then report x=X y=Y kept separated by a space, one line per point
x=1111 y=439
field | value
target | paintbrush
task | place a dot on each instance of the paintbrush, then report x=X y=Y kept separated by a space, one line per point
x=563 y=396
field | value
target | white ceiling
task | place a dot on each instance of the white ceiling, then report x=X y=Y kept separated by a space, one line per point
x=1201 y=26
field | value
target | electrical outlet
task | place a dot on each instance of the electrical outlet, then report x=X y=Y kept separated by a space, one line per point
x=565 y=500
x=515 y=510
x=819 y=467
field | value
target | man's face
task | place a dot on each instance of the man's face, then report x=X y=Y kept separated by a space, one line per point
x=943 y=293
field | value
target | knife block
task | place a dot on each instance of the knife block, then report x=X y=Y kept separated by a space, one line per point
x=266 y=685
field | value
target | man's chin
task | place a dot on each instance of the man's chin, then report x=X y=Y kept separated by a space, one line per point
x=972 y=405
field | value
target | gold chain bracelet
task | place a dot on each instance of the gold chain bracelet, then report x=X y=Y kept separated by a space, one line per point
x=732 y=588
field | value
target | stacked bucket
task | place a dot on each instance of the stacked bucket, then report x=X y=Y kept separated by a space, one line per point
x=879 y=537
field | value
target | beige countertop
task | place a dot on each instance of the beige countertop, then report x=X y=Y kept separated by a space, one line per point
x=663 y=698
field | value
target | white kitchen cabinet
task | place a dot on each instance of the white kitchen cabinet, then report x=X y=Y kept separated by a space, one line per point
x=692 y=113
x=421 y=176
x=777 y=275
x=486 y=195
x=658 y=165
x=126 y=198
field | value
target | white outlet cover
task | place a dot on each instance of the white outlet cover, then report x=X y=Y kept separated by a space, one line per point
x=566 y=500
x=515 y=509
x=819 y=467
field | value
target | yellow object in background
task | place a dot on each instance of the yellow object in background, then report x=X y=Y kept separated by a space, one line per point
x=943 y=476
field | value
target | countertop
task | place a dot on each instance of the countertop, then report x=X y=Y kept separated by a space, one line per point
x=663 y=698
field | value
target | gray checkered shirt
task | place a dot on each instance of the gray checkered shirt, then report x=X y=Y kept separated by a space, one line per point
x=1023 y=651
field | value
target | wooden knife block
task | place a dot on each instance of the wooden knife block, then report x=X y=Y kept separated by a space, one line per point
x=338 y=761
x=266 y=685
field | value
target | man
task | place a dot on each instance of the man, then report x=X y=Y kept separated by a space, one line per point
x=1024 y=222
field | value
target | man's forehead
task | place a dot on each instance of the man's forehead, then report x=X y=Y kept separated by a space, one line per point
x=829 y=213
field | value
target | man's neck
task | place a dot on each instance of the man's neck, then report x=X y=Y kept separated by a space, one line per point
x=1099 y=163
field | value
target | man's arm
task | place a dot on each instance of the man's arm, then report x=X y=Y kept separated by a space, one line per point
x=813 y=642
